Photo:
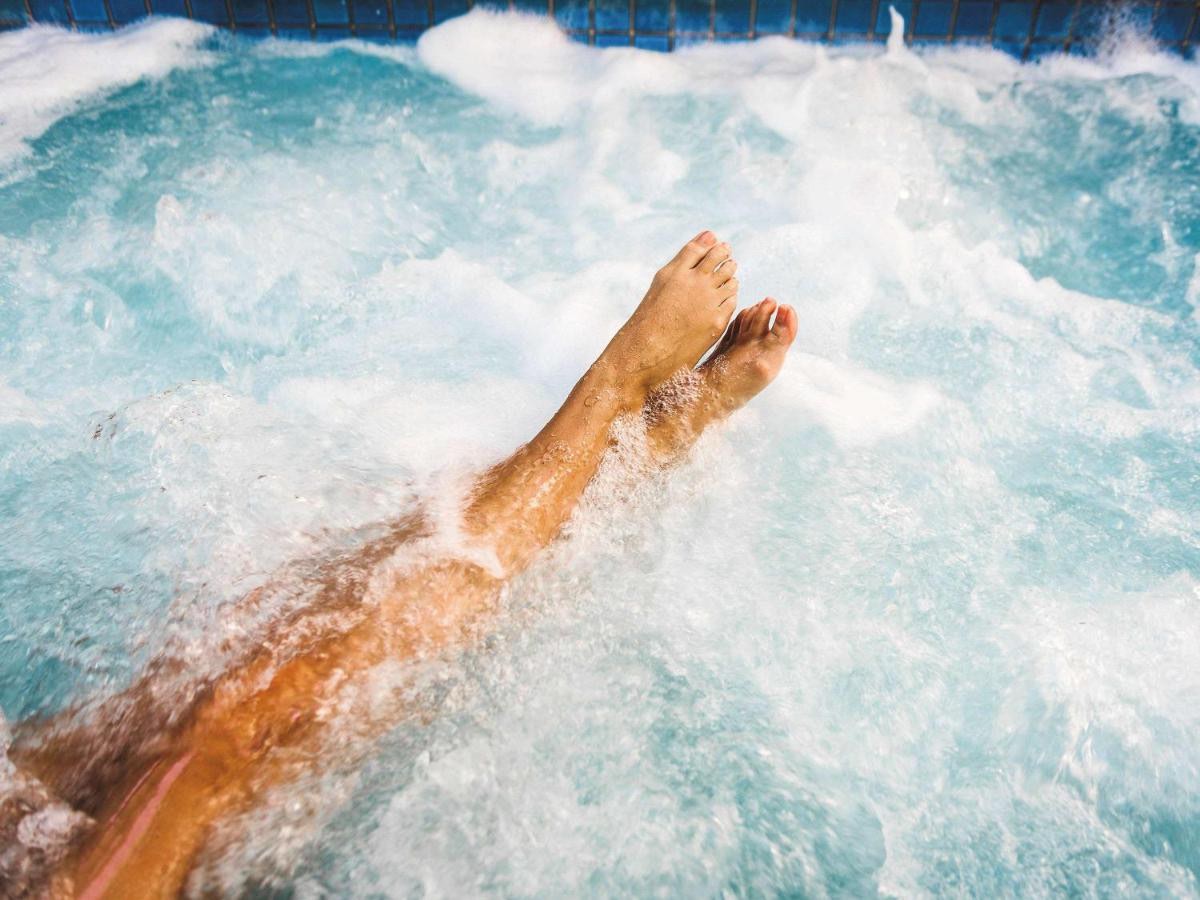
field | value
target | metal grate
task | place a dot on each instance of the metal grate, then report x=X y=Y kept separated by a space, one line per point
x=1024 y=28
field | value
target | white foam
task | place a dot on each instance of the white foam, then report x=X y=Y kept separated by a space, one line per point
x=958 y=497
x=16 y=406
x=46 y=71
x=552 y=78
x=857 y=407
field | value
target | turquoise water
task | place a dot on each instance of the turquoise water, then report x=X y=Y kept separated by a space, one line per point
x=923 y=620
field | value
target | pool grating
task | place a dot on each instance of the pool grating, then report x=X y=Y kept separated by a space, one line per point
x=1024 y=28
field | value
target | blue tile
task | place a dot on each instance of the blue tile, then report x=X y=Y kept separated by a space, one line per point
x=168 y=7
x=49 y=11
x=332 y=33
x=127 y=10
x=648 y=42
x=883 y=18
x=408 y=35
x=690 y=40
x=934 y=18
x=571 y=13
x=853 y=17
x=411 y=12
x=612 y=40
x=1082 y=48
x=375 y=35
x=579 y=37
x=812 y=16
x=651 y=17
x=370 y=12
x=448 y=9
x=1013 y=20
x=294 y=34
x=249 y=12
x=1054 y=20
x=612 y=15
x=254 y=31
x=974 y=19
x=1039 y=49
x=330 y=12
x=89 y=10
x=290 y=12
x=1171 y=24
x=733 y=17
x=494 y=5
x=12 y=10
x=210 y=11
x=1012 y=48
x=774 y=17
x=535 y=6
x=692 y=16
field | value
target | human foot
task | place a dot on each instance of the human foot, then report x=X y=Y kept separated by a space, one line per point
x=688 y=305
x=750 y=354
x=746 y=360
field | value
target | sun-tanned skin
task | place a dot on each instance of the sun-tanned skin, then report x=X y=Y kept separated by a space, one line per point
x=155 y=802
x=747 y=359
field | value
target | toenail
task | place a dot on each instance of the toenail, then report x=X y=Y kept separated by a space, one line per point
x=706 y=237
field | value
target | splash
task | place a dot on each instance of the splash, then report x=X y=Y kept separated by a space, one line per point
x=45 y=71
x=920 y=620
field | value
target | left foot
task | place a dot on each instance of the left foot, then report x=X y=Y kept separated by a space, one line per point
x=750 y=354
x=687 y=307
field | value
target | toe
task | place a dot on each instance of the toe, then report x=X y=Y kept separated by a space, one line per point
x=747 y=329
x=761 y=323
x=786 y=324
x=716 y=255
x=728 y=291
x=731 y=333
x=736 y=325
x=693 y=251
x=724 y=271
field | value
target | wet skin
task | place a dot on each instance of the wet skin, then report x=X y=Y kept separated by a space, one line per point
x=156 y=782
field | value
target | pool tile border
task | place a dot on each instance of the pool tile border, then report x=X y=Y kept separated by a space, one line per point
x=1024 y=28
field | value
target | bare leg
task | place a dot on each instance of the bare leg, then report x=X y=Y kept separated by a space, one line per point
x=84 y=753
x=748 y=357
x=239 y=739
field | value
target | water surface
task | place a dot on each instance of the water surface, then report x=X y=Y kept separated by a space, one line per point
x=924 y=620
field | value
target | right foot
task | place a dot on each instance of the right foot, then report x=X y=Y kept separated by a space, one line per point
x=687 y=307
x=750 y=354
x=748 y=358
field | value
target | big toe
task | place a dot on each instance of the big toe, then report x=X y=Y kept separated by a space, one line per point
x=693 y=251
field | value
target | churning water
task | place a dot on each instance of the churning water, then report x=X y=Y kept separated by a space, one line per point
x=925 y=619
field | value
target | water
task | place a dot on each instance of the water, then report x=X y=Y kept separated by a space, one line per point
x=923 y=620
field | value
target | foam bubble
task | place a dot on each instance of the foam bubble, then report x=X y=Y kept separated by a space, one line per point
x=46 y=71
x=919 y=620
x=855 y=406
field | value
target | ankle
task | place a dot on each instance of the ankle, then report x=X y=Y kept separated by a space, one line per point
x=609 y=385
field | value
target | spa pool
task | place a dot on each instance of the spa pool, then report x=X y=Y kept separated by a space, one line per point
x=923 y=620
